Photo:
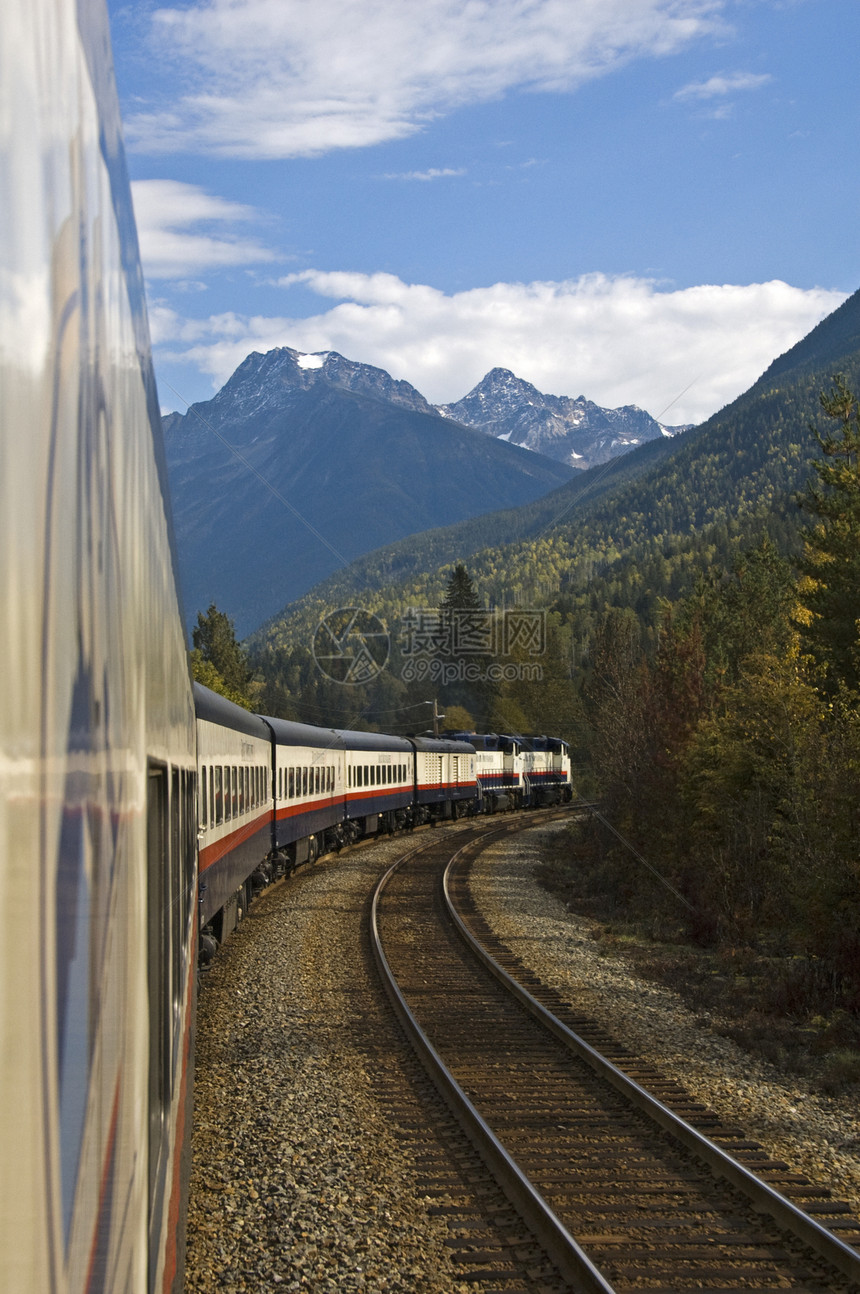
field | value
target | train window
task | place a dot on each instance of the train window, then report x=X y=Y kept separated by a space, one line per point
x=304 y=781
x=291 y=777
x=218 y=797
x=234 y=792
x=204 y=808
x=171 y=850
x=247 y=780
x=240 y=798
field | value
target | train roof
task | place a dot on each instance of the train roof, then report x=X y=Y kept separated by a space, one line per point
x=373 y=741
x=287 y=732
x=442 y=745
x=484 y=740
x=213 y=708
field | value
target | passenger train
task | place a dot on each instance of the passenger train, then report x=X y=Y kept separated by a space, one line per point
x=274 y=794
x=135 y=820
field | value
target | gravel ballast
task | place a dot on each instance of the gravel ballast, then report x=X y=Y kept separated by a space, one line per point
x=816 y=1135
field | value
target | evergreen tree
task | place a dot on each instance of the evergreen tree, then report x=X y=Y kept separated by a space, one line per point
x=831 y=562
x=460 y=592
x=461 y=662
x=218 y=661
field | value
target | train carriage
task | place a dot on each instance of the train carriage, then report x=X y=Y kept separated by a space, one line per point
x=379 y=781
x=498 y=770
x=97 y=760
x=309 y=796
x=235 y=810
x=549 y=771
x=445 y=782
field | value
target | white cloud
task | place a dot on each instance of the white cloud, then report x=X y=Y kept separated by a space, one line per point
x=172 y=246
x=289 y=78
x=435 y=173
x=717 y=87
x=616 y=340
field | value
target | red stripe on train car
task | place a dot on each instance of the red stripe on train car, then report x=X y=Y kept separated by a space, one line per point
x=310 y=806
x=377 y=793
x=211 y=853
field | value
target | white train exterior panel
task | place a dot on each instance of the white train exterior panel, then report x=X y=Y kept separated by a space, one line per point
x=100 y=712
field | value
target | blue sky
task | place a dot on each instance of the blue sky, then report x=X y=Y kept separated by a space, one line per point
x=615 y=198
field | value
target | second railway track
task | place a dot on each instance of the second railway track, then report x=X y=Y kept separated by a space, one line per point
x=619 y=1202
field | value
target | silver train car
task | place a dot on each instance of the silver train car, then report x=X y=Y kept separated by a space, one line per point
x=97 y=732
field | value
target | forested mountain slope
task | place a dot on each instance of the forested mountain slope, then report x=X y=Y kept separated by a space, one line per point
x=637 y=528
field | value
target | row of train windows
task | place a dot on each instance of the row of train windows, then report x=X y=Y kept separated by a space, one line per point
x=377 y=774
x=228 y=791
x=293 y=782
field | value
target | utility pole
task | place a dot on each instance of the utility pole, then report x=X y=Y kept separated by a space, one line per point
x=436 y=715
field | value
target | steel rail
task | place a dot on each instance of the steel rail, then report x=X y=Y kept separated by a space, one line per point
x=572 y=1261
x=762 y=1196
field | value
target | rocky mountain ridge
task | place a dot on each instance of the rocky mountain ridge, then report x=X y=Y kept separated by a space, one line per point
x=575 y=431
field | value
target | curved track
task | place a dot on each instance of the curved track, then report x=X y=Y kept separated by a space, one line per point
x=622 y=1193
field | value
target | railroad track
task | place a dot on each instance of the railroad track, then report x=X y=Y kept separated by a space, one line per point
x=625 y=1188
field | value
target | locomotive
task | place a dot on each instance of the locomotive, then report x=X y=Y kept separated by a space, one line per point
x=133 y=814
